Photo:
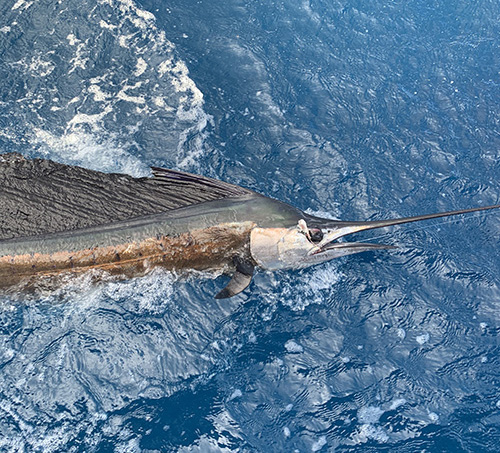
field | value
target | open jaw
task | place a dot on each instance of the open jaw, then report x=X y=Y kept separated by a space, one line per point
x=348 y=248
x=330 y=231
x=328 y=250
x=315 y=240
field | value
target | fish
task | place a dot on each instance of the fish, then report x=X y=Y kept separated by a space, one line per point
x=65 y=219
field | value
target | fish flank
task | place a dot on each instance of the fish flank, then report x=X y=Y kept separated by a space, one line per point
x=202 y=249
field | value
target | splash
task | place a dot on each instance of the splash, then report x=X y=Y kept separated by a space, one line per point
x=86 y=350
x=103 y=86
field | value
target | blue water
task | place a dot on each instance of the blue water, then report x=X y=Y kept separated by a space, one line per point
x=359 y=110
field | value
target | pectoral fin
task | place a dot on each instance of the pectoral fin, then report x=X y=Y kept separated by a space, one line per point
x=240 y=280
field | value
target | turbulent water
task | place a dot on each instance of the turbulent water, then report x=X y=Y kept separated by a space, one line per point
x=355 y=109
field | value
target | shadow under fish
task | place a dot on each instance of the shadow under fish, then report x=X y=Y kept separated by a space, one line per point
x=58 y=218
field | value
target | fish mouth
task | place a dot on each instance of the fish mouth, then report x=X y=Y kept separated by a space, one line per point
x=348 y=248
x=335 y=229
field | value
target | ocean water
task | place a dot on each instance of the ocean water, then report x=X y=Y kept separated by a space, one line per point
x=354 y=109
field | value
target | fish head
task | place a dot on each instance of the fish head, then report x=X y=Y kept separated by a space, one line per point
x=320 y=240
x=302 y=246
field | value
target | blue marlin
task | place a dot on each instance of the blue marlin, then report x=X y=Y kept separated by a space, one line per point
x=67 y=219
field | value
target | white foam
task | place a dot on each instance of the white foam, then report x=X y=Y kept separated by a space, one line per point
x=397 y=403
x=190 y=159
x=182 y=83
x=149 y=293
x=369 y=414
x=306 y=6
x=90 y=119
x=6 y=354
x=21 y=5
x=82 y=148
x=140 y=18
x=40 y=67
x=368 y=417
x=99 y=95
x=311 y=286
x=236 y=394
x=92 y=311
x=140 y=67
x=208 y=445
x=160 y=102
x=293 y=347
x=162 y=86
x=252 y=338
x=422 y=339
x=433 y=417
x=367 y=432
x=129 y=446
x=104 y=24
x=127 y=97
x=319 y=444
x=79 y=61
x=123 y=40
x=72 y=39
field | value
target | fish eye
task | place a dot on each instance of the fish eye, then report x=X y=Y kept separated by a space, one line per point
x=316 y=235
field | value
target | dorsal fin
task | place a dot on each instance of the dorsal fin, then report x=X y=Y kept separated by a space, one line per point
x=195 y=188
x=39 y=196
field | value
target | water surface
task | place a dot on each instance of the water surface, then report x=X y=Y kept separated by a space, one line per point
x=359 y=110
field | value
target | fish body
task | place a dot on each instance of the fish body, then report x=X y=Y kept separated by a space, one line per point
x=66 y=219
x=69 y=219
x=205 y=236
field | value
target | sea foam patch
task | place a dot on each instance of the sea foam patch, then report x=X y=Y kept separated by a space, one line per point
x=114 y=79
x=88 y=150
x=312 y=285
x=92 y=347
